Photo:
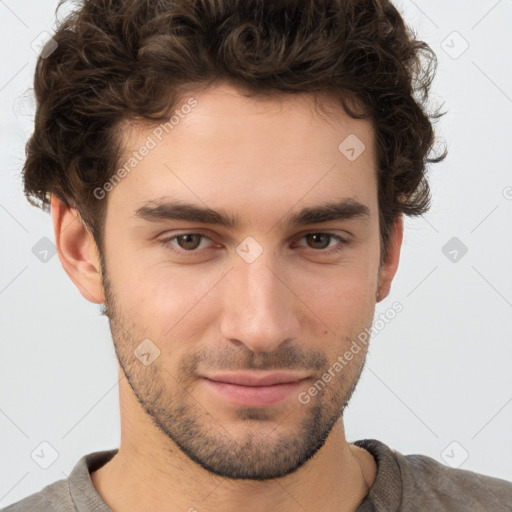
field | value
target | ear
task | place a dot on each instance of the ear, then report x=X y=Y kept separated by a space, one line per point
x=390 y=265
x=77 y=250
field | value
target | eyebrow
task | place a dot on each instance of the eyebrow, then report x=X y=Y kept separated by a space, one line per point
x=164 y=209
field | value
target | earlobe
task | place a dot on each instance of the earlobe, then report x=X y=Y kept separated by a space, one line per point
x=77 y=251
x=390 y=264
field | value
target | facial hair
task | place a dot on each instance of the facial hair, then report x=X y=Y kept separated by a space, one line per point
x=248 y=453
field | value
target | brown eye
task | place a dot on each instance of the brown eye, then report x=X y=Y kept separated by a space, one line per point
x=319 y=240
x=186 y=243
x=189 y=242
x=325 y=243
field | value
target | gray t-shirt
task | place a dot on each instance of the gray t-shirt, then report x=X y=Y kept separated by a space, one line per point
x=404 y=483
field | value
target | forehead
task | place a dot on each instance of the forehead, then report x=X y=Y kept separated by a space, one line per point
x=223 y=146
x=279 y=120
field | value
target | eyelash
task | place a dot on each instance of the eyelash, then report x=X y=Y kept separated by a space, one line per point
x=182 y=252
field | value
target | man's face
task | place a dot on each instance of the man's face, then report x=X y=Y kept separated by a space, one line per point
x=262 y=295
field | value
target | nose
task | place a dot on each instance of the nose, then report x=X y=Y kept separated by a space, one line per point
x=259 y=306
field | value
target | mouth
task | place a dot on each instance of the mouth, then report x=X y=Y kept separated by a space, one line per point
x=255 y=389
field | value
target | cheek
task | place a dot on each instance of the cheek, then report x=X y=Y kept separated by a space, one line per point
x=342 y=299
x=174 y=303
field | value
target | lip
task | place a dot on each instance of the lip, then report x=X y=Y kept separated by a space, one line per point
x=257 y=378
x=255 y=389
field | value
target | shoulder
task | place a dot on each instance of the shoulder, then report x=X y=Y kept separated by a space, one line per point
x=444 y=488
x=410 y=483
x=52 y=498
x=76 y=492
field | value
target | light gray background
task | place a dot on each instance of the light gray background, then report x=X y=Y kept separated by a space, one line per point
x=439 y=372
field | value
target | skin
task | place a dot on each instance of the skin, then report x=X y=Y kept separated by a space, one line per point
x=294 y=307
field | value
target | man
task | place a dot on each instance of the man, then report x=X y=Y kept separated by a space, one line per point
x=229 y=179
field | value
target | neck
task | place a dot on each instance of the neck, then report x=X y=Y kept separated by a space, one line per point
x=150 y=472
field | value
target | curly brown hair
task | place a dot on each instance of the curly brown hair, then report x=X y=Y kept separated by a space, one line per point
x=118 y=60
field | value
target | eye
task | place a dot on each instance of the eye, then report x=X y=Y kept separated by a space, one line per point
x=320 y=242
x=187 y=242
x=190 y=243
